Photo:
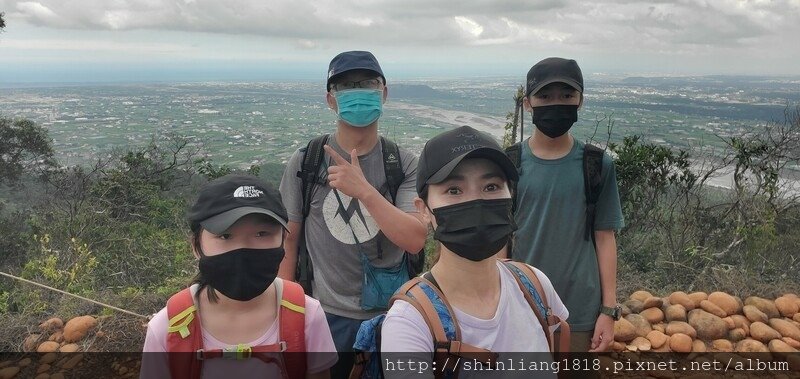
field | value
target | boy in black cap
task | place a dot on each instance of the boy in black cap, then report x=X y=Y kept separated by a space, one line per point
x=569 y=238
x=352 y=200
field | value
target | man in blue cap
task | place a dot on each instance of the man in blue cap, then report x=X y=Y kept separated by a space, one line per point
x=350 y=201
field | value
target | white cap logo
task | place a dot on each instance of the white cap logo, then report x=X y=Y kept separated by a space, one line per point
x=247 y=192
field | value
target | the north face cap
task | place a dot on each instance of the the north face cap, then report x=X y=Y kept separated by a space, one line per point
x=225 y=200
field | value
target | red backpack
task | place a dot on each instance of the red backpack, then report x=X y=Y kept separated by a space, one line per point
x=185 y=336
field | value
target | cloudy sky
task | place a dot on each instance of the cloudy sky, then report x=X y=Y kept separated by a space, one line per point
x=123 y=40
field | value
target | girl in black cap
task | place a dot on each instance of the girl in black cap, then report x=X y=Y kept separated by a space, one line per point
x=237 y=310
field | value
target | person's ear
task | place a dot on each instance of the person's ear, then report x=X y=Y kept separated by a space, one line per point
x=385 y=93
x=526 y=104
x=423 y=210
x=332 y=102
x=580 y=104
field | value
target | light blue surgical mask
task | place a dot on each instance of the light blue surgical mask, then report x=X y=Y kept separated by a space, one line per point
x=359 y=107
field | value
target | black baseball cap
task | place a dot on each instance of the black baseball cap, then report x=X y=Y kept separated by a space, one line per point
x=225 y=200
x=353 y=60
x=554 y=70
x=443 y=153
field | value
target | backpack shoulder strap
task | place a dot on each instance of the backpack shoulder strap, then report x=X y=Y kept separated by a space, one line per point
x=514 y=153
x=440 y=318
x=532 y=289
x=392 y=166
x=309 y=169
x=592 y=183
x=184 y=335
x=292 y=328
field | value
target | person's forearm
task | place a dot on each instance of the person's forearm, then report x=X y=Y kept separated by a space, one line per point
x=403 y=229
x=607 y=261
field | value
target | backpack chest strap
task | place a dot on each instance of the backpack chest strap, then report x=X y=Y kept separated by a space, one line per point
x=242 y=351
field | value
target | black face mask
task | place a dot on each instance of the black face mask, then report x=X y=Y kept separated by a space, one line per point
x=241 y=274
x=554 y=120
x=476 y=229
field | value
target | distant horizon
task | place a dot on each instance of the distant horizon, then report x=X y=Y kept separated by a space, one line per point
x=310 y=78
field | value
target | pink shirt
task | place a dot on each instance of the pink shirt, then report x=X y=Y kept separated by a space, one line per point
x=318 y=341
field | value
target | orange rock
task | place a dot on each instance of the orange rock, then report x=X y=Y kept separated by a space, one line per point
x=69 y=348
x=617 y=346
x=657 y=339
x=763 y=332
x=780 y=348
x=796 y=317
x=680 y=297
x=73 y=361
x=737 y=334
x=675 y=312
x=791 y=342
x=680 y=343
x=754 y=314
x=47 y=347
x=652 y=302
x=764 y=305
x=641 y=296
x=51 y=324
x=624 y=331
x=43 y=368
x=77 y=328
x=726 y=302
x=58 y=336
x=641 y=344
x=712 y=308
x=640 y=324
x=9 y=372
x=740 y=321
x=48 y=358
x=660 y=327
x=787 y=306
x=653 y=315
x=708 y=326
x=697 y=297
x=635 y=306
x=722 y=345
x=675 y=327
x=750 y=346
x=785 y=328
x=729 y=321
x=698 y=346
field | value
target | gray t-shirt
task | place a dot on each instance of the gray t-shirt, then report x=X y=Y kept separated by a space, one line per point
x=335 y=255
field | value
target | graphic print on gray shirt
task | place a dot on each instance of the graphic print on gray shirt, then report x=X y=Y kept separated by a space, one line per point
x=333 y=250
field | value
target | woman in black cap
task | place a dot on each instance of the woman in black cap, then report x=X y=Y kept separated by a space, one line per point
x=237 y=310
x=470 y=306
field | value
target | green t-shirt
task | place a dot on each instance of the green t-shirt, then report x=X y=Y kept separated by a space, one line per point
x=551 y=221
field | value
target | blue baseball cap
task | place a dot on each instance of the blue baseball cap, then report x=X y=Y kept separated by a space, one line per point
x=353 y=60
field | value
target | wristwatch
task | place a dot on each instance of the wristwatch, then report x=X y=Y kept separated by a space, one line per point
x=613 y=312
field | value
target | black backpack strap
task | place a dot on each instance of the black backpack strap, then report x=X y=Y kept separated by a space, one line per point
x=392 y=167
x=309 y=170
x=592 y=184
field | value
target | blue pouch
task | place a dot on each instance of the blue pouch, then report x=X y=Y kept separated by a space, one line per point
x=379 y=284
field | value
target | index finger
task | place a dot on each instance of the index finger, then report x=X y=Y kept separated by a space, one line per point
x=333 y=154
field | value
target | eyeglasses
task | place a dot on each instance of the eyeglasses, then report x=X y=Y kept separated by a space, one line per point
x=366 y=83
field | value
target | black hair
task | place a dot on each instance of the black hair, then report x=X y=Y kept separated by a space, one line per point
x=201 y=281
